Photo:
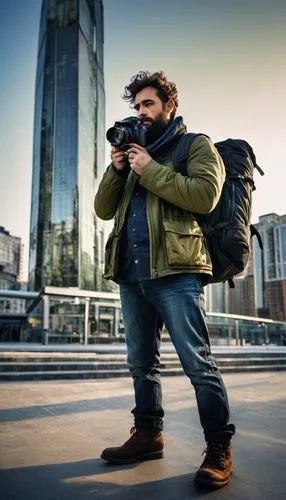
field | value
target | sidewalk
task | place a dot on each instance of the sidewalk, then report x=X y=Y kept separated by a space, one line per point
x=52 y=434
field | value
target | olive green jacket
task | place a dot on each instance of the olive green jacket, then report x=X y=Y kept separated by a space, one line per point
x=177 y=244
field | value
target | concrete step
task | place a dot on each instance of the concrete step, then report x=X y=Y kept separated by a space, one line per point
x=79 y=365
x=70 y=365
x=19 y=356
x=100 y=374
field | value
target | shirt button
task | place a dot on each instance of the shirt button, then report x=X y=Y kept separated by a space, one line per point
x=134 y=215
x=133 y=229
x=135 y=245
x=136 y=261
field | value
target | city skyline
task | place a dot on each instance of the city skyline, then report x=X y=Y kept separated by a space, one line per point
x=228 y=63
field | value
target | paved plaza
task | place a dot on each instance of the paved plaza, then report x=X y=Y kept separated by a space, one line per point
x=52 y=434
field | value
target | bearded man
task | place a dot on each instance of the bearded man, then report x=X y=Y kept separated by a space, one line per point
x=158 y=256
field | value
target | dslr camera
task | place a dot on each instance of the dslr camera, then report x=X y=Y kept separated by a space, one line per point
x=126 y=131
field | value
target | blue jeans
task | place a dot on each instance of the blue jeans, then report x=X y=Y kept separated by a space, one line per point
x=177 y=301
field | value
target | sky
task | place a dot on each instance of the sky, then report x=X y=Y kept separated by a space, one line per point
x=228 y=60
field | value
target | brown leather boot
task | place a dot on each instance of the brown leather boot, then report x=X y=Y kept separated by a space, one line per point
x=144 y=444
x=216 y=468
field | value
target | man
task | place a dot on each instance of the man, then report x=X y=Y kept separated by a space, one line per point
x=157 y=254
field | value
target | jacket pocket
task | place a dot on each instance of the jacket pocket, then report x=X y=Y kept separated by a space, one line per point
x=108 y=251
x=111 y=254
x=184 y=243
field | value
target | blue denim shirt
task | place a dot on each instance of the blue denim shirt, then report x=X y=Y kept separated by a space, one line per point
x=134 y=258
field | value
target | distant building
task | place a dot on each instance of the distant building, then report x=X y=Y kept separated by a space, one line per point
x=69 y=147
x=10 y=260
x=270 y=267
x=22 y=272
x=241 y=299
x=238 y=300
x=261 y=289
x=216 y=298
x=10 y=271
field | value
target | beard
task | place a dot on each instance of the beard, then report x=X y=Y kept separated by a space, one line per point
x=154 y=128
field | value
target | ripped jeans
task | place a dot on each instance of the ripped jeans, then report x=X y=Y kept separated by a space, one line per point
x=177 y=301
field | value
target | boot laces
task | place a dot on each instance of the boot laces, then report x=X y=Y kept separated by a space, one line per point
x=132 y=437
x=133 y=431
x=215 y=455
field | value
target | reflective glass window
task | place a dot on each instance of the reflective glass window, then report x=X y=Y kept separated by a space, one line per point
x=85 y=19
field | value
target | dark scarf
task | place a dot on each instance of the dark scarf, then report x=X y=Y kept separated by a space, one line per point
x=168 y=140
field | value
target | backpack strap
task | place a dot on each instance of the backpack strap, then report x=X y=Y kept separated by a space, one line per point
x=231 y=283
x=254 y=232
x=252 y=156
x=180 y=155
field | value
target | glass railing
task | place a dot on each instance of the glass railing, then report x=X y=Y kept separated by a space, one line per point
x=76 y=316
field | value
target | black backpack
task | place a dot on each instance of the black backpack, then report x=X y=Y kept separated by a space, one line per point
x=227 y=228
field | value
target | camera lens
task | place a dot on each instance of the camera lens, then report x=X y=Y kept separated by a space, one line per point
x=115 y=136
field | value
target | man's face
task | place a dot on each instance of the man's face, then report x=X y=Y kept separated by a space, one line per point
x=153 y=113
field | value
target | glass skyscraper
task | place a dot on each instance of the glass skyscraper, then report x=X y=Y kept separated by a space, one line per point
x=69 y=142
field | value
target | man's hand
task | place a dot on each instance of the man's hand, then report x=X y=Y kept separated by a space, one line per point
x=138 y=158
x=119 y=158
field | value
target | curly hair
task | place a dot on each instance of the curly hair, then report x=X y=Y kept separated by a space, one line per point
x=166 y=90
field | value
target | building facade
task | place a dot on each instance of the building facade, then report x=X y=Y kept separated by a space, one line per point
x=10 y=260
x=11 y=263
x=270 y=267
x=221 y=298
x=68 y=152
x=261 y=290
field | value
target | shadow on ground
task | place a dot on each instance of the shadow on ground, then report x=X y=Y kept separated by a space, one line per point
x=79 y=480
x=73 y=407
